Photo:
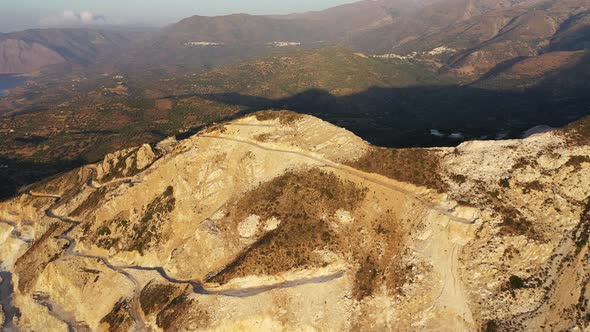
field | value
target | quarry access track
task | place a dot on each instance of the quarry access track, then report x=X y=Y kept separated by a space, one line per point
x=135 y=311
x=369 y=177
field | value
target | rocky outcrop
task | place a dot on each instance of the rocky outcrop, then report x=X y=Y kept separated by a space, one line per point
x=125 y=163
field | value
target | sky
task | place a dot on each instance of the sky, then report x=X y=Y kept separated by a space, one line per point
x=22 y=14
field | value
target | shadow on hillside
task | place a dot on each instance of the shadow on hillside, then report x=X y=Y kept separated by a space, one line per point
x=15 y=174
x=499 y=68
x=405 y=117
x=394 y=117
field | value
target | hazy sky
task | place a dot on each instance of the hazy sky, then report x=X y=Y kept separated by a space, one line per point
x=22 y=14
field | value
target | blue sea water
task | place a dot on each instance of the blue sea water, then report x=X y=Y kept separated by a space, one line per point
x=9 y=82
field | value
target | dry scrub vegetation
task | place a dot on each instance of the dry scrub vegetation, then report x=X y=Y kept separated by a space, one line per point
x=417 y=166
x=171 y=306
x=578 y=133
x=285 y=117
x=119 y=319
x=124 y=234
x=45 y=250
x=182 y=312
x=154 y=296
x=306 y=203
x=302 y=202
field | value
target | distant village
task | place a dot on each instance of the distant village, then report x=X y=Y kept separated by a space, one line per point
x=273 y=44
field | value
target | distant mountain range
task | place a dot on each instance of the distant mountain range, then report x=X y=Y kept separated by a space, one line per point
x=472 y=36
x=475 y=35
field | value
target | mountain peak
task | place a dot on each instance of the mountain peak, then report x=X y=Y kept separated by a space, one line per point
x=282 y=210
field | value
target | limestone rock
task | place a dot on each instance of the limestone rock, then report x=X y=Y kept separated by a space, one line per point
x=271 y=222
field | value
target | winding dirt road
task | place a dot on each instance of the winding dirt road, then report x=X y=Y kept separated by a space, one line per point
x=6 y=291
x=136 y=312
x=56 y=311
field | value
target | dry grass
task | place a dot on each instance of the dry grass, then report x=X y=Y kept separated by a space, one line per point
x=119 y=318
x=91 y=202
x=578 y=133
x=582 y=234
x=134 y=235
x=529 y=187
x=512 y=226
x=30 y=265
x=577 y=161
x=148 y=231
x=60 y=183
x=154 y=296
x=182 y=312
x=379 y=264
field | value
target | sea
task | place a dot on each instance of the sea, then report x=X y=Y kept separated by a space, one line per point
x=9 y=82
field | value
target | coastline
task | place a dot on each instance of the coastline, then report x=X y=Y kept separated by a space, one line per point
x=8 y=82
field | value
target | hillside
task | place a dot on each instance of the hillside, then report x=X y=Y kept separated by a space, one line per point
x=207 y=42
x=200 y=42
x=279 y=221
x=397 y=102
x=432 y=19
x=234 y=29
x=335 y=70
x=460 y=75
x=339 y=23
x=495 y=38
x=561 y=72
x=30 y=50
x=22 y=57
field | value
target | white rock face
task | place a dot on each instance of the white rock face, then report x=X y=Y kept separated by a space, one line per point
x=126 y=162
x=249 y=227
x=144 y=157
x=441 y=50
x=272 y=224
x=345 y=217
x=167 y=145
x=524 y=190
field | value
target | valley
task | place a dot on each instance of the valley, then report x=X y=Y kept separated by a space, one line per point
x=389 y=102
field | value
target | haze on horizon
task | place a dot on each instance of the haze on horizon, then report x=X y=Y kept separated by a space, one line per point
x=26 y=14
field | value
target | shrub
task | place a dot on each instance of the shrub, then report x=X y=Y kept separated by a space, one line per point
x=516 y=282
